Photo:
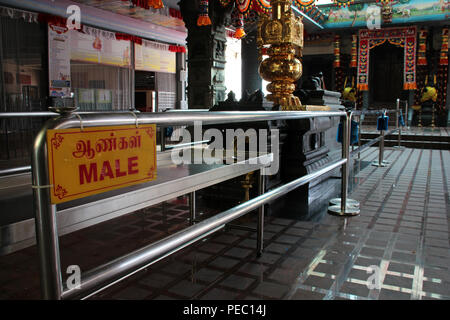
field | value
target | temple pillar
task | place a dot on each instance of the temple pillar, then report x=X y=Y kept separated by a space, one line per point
x=206 y=54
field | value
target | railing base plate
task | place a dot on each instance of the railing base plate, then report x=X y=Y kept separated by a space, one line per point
x=349 y=202
x=349 y=211
x=382 y=164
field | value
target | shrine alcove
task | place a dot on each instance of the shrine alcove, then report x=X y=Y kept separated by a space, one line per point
x=386 y=78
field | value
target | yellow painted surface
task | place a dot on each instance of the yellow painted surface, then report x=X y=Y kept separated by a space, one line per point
x=95 y=160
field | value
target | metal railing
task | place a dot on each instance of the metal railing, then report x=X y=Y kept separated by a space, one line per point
x=110 y=273
x=381 y=162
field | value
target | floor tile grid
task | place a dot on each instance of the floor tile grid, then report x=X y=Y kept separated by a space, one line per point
x=329 y=294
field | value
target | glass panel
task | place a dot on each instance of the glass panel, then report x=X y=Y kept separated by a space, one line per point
x=100 y=87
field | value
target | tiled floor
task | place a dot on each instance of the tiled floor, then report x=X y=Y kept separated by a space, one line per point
x=402 y=234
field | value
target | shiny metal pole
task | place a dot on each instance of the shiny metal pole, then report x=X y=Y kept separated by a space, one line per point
x=399 y=127
x=359 y=138
x=45 y=220
x=260 y=222
x=381 y=162
x=344 y=206
x=162 y=138
x=192 y=208
x=406 y=114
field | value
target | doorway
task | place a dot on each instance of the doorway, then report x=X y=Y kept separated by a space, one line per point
x=386 y=76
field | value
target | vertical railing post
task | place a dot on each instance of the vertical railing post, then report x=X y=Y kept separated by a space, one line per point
x=381 y=148
x=399 y=126
x=344 y=206
x=359 y=136
x=381 y=162
x=192 y=207
x=163 y=139
x=260 y=227
x=45 y=222
x=406 y=113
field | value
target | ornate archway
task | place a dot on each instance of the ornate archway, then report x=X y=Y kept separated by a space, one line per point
x=402 y=37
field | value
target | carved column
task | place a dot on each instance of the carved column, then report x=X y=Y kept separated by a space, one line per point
x=206 y=54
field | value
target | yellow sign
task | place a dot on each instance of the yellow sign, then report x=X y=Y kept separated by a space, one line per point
x=95 y=160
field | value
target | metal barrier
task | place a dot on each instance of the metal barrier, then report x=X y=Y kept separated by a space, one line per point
x=344 y=206
x=381 y=162
x=106 y=275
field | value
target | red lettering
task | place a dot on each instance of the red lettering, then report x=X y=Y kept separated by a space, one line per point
x=118 y=172
x=132 y=162
x=85 y=175
x=106 y=171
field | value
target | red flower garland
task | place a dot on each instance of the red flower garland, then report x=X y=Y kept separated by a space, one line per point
x=337 y=61
x=175 y=13
x=173 y=48
x=421 y=56
x=443 y=60
x=128 y=37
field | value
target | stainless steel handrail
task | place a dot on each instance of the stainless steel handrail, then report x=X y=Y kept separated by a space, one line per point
x=37 y=114
x=45 y=212
x=188 y=118
x=140 y=258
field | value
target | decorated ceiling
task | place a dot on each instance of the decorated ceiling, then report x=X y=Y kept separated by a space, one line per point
x=348 y=13
x=169 y=16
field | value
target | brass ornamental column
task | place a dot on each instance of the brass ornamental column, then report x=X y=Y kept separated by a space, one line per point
x=283 y=34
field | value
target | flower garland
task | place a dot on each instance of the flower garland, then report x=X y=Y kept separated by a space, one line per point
x=421 y=56
x=354 y=52
x=147 y=4
x=240 y=27
x=203 y=17
x=337 y=61
x=304 y=4
x=173 y=48
x=443 y=59
x=343 y=3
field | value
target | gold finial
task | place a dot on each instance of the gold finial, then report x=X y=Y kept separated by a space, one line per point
x=283 y=34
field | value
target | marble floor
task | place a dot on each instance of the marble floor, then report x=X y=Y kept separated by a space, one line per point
x=397 y=248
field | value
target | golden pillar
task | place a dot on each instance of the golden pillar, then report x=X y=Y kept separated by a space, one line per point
x=282 y=35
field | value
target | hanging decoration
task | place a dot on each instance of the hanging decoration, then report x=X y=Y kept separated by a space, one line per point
x=264 y=6
x=442 y=79
x=175 y=13
x=128 y=37
x=343 y=3
x=304 y=4
x=174 y=48
x=354 y=52
x=421 y=54
x=51 y=19
x=403 y=37
x=203 y=17
x=337 y=61
x=240 y=27
x=147 y=4
x=443 y=60
x=244 y=6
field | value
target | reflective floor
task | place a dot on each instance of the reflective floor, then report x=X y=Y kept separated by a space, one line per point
x=397 y=248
